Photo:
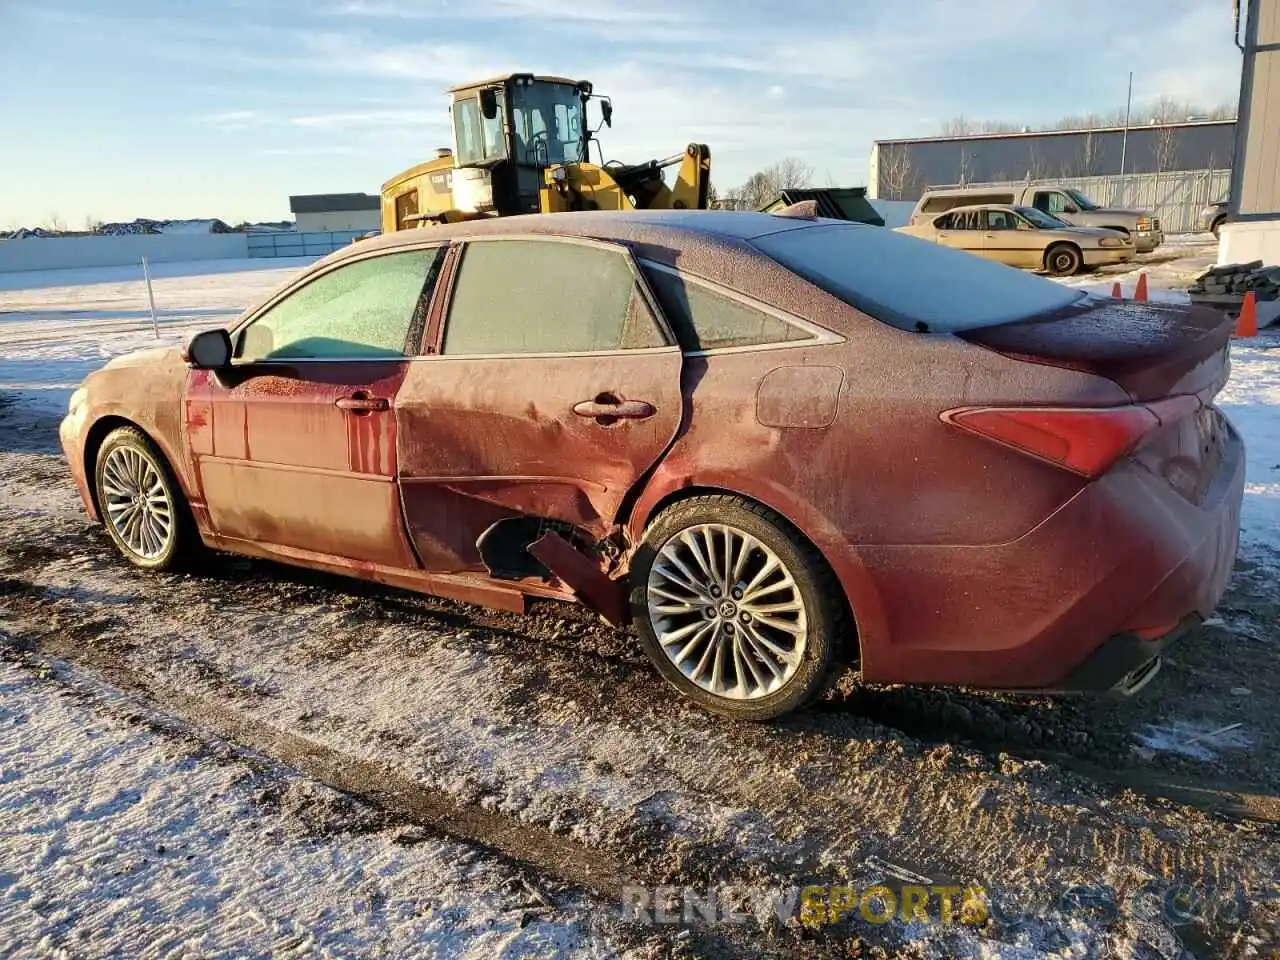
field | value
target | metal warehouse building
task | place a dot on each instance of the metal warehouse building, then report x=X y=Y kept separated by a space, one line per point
x=319 y=212
x=901 y=169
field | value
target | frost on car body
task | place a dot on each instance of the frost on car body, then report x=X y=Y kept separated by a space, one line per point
x=772 y=442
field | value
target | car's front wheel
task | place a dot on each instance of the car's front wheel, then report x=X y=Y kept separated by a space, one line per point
x=1063 y=260
x=140 y=502
x=735 y=608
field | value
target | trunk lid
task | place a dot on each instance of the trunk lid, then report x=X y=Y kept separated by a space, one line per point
x=1152 y=350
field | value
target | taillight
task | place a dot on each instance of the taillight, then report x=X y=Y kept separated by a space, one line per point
x=1085 y=440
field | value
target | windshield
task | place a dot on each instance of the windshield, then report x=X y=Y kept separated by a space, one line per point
x=477 y=139
x=547 y=121
x=1040 y=219
x=908 y=282
x=1081 y=201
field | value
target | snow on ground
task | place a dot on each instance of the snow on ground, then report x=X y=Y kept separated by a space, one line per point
x=112 y=836
x=80 y=823
x=56 y=326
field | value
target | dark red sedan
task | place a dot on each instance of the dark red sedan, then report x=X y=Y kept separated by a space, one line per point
x=772 y=443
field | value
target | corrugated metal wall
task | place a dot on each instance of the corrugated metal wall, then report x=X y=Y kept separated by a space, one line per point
x=1176 y=198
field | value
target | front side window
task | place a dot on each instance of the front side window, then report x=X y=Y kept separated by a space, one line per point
x=1001 y=220
x=547 y=119
x=705 y=320
x=542 y=296
x=363 y=310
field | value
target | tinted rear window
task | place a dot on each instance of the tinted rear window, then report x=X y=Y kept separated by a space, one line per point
x=905 y=281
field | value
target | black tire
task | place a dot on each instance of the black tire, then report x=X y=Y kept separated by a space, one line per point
x=1063 y=260
x=817 y=588
x=183 y=546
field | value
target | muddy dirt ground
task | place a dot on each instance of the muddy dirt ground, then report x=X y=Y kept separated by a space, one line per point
x=548 y=743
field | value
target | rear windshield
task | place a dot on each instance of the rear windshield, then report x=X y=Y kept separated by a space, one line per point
x=913 y=284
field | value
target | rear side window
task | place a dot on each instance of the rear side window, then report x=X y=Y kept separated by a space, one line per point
x=543 y=296
x=910 y=283
x=362 y=310
x=705 y=320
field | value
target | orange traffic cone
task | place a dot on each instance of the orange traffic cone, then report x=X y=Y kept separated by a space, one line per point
x=1115 y=291
x=1247 y=322
x=1141 y=292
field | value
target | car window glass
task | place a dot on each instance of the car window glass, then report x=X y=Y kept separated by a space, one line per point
x=909 y=284
x=540 y=296
x=945 y=221
x=1050 y=202
x=705 y=320
x=1001 y=220
x=363 y=309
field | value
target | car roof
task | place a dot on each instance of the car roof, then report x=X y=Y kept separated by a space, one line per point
x=676 y=227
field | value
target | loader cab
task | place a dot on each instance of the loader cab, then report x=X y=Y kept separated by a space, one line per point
x=508 y=130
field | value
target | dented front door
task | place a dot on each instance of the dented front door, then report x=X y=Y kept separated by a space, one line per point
x=554 y=388
x=295 y=444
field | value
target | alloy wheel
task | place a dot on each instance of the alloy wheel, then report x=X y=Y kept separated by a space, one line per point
x=137 y=503
x=727 y=612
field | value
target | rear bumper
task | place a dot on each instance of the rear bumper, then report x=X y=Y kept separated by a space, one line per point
x=1128 y=555
x=1124 y=664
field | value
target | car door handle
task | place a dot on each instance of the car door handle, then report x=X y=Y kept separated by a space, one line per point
x=610 y=410
x=361 y=403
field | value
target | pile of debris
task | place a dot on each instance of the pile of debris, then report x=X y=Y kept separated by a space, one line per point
x=145 y=226
x=23 y=233
x=1237 y=279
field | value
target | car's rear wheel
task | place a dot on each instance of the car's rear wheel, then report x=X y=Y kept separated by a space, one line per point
x=735 y=608
x=1063 y=260
x=141 y=504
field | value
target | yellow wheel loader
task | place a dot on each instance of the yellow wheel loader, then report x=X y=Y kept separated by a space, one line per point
x=521 y=145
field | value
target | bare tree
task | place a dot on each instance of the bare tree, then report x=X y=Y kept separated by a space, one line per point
x=1163 y=110
x=764 y=186
x=56 y=223
x=1035 y=163
x=1164 y=147
x=966 y=165
x=896 y=171
x=1088 y=154
x=958 y=127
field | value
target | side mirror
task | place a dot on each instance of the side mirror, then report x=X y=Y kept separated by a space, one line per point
x=1070 y=208
x=488 y=103
x=209 y=350
x=606 y=111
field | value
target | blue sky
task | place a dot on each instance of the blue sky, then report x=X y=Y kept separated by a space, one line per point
x=113 y=109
